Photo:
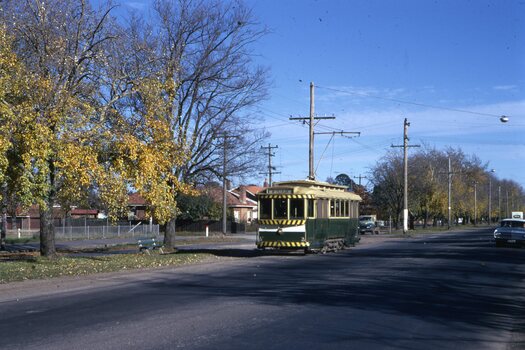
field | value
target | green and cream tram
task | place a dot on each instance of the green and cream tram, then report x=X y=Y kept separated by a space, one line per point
x=307 y=214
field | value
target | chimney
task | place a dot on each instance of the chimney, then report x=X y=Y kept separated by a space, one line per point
x=265 y=184
x=242 y=194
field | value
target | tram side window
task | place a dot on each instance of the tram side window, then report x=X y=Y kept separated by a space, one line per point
x=347 y=209
x=297 y=208
x=279 y=208
x=266 y=208
x=332 y=208
x=321 y=208
x=311 y=208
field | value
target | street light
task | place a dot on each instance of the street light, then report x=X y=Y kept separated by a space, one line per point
x=504 y=119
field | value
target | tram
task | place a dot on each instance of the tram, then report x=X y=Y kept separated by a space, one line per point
x=307 y=215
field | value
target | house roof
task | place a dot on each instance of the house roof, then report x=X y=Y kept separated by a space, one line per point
x=136 y=199
x=254 y=189
x=84 y=212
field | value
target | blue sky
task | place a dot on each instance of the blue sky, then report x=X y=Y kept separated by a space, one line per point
x=376 y=62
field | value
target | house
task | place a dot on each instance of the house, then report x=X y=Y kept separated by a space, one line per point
x=29 y=220
x=241 y=200
x=243 y=205
x=137 y=207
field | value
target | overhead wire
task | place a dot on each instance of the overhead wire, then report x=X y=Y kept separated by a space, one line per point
x=408 y=102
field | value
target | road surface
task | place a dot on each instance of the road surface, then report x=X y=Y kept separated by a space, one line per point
x=442 y=291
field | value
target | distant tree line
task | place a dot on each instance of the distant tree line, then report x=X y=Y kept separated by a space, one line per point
x=92 y=106
x=472 y=184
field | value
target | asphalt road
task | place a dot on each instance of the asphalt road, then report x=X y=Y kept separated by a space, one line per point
x=446 y=291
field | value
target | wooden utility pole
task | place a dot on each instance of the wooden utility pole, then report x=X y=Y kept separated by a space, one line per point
x=449 y=175
x=405 y=146
x=270 y=167
x=310 y=120
x=360 y=177
x=225 y=136
x=475 y=203
x=311 y=173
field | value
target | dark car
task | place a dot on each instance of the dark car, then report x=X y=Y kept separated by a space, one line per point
x=510 y=232
x=368 y=226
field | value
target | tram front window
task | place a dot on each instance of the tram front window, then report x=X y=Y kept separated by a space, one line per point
x=279 y=208
x=296 y=208
x=266 y=208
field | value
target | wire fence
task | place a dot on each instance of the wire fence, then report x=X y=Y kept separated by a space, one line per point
x=102 y=232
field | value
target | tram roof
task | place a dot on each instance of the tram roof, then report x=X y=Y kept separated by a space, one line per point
x=318 y=189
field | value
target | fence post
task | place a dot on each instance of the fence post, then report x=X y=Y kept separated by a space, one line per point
x=87 y=231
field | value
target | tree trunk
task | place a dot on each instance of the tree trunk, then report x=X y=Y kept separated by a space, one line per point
x=47 y=226
x=47 y=232
x=14 y=222
x=3 y=230
x=169 y=234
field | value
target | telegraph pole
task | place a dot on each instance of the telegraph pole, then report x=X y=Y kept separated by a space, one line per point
x=270 y=167
x=360 y=177
x=310 y=120
x=311 y=174
x=475 y=203
x=225 y=136
x=405 y=146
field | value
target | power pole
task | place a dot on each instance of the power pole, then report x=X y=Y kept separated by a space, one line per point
x=475 y=203
x=310 y=120
x=360 y=177
x=449 y=175
x=405 y=146
x=225 y=136
x=499 y=203
x=270 y=167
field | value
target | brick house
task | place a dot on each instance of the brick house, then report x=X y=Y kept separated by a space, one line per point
x=243 y=205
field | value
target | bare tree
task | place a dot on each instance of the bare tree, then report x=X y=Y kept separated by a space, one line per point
x=387 y=179
x=200 y=54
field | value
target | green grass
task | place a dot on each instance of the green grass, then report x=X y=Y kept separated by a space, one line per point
x=21 y=240
x=25 y=266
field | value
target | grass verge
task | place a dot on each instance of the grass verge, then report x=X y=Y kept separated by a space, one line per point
x=24 y=266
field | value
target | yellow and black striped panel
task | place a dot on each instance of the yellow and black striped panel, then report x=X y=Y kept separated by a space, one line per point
x=281 y=244
x=282 y=222
x=271 y=196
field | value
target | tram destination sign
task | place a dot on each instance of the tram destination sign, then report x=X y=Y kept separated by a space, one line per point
x=280 y=191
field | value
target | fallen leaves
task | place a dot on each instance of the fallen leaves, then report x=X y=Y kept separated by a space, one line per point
x=35 y=267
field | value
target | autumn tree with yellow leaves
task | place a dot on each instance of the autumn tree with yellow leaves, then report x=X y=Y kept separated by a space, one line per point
x=61 y=45
x=112 y=108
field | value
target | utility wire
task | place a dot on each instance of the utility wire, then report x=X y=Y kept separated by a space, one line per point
x=409 y=102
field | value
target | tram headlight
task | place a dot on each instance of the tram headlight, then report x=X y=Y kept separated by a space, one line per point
x=279 y=231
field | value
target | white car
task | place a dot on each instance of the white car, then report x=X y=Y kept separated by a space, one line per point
x=510 y=232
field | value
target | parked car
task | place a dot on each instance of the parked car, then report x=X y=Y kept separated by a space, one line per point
x=367 y=223
x=510 y=232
